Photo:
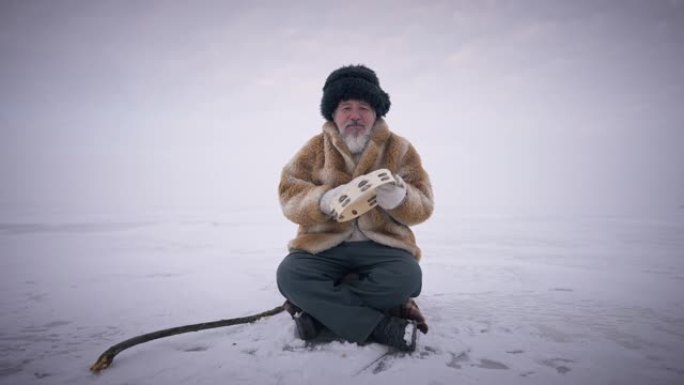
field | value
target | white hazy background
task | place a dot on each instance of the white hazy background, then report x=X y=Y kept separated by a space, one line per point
x=141 y=144
x=530 y=107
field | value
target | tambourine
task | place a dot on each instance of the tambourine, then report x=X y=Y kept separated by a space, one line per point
x=359 y=197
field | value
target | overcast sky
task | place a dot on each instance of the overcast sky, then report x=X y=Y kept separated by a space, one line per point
x=529 y=106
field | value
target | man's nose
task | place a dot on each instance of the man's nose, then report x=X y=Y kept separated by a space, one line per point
x=355 y=114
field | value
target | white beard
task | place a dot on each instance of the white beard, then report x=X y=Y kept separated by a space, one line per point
x=357 y=144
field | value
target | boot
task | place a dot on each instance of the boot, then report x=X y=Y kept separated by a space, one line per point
x=307 y=326
x=410 y=310
x=396 y=332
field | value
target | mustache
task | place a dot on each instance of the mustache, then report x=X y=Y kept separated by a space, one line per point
x=355 y=124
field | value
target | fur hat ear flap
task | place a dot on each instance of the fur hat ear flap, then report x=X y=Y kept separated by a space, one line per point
x=353 y=82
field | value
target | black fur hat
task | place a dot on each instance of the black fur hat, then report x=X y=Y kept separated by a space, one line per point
x=353 y=82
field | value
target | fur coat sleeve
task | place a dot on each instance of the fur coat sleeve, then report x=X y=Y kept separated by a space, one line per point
x=325 y=162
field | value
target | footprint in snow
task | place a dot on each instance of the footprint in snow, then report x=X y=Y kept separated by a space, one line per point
x=194 y=349
x=491 y=364
x=560 y=364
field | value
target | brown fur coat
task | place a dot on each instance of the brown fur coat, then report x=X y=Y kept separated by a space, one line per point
x=325 y=162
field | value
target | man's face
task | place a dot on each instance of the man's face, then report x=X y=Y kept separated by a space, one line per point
x=354 y=118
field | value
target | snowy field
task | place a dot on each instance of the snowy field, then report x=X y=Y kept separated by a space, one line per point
x=509 y=300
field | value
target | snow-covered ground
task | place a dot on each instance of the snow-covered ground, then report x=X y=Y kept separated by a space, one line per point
x=510 y=300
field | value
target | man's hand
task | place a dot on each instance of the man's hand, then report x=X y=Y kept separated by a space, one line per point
x=329 y=197
x=391 y=195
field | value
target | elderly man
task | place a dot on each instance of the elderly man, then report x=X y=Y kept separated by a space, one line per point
x=355 y=278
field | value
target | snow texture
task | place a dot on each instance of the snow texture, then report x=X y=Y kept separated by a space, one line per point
x=511 y=300
x=408 y=333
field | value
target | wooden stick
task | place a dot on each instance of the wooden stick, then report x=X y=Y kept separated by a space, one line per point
x=107 y=357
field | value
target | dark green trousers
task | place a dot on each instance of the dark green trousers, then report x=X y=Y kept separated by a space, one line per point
x=351 y=309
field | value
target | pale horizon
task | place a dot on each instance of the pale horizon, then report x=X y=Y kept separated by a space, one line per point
x=533 y=107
